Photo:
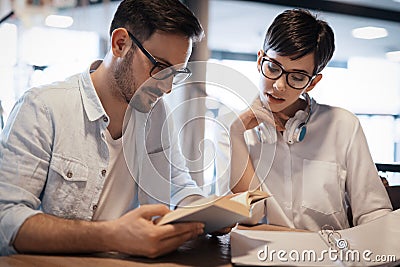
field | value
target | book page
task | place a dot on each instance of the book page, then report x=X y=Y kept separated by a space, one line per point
x=250 y=197
x=242 y=198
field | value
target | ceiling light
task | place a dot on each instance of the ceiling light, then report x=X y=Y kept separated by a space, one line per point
x=59 y=21
x=393 y=56
x=369 y=33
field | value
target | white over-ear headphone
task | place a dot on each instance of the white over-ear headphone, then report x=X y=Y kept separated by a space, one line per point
x=296 y=127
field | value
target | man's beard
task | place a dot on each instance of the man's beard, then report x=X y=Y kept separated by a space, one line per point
x=123 y=75
x=128 y=89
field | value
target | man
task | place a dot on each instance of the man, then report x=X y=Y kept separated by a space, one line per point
x=66 y=183
x=312 y=158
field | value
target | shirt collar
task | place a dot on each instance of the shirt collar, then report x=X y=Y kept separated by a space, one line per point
x=91 y=102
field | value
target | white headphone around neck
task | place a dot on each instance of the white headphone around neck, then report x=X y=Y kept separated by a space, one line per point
x=296 y=127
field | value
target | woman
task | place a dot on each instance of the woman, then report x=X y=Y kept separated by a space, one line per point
x=312 y=158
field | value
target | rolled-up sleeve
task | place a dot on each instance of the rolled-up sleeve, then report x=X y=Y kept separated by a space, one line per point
x=24 y=160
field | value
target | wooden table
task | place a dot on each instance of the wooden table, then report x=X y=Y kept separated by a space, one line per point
x=204 y=251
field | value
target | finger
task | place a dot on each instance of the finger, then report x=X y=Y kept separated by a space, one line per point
x=245 y=121
x=149 y=211
x=172 y=243
x=177 y=229
x=266 y=117
x=258 y=103
x=182 y=237
x=254 y=115
x=263 y=113
x=253 y=123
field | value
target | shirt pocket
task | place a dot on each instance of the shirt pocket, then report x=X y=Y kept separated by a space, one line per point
x=160 y=160
x=69 y=169
x=321 y=187
x=65 y=187
x=155 y=177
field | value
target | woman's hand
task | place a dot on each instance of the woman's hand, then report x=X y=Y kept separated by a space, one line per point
x=256 y=114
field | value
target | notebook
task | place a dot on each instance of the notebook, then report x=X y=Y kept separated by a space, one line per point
x=376 y=243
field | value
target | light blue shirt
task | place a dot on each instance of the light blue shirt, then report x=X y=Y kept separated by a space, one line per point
x=54 y=158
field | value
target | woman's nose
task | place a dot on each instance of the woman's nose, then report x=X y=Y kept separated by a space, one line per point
x=280 y=84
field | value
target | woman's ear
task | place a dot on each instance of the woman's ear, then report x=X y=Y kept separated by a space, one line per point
x=314 y=82
x=260 y=54
x=120 y=42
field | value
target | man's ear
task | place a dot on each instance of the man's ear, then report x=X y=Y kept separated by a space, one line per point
x=120 y=42
x=260 y=54
x=314 y=82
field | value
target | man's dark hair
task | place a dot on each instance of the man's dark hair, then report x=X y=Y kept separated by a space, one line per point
x=143 y=17
x=297 y=33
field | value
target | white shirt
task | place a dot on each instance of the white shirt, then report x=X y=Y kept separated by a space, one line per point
x=313 y=182
x=120 y=189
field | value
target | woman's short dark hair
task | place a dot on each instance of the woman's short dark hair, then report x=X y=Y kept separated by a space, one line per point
x=143 y=17
x=297 y=33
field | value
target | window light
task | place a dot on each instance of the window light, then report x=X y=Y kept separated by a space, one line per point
x=393 y=55
x=369 y=33
x=59 y=21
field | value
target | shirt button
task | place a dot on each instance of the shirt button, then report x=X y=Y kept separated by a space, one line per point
x=95 y=207
x=69 y=174
x=105 y=119
x=103 y=173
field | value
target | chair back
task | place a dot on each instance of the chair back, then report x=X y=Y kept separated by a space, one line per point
x=394 y=195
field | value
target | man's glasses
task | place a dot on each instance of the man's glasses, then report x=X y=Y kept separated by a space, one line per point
x=295 y=79
x=162 y=71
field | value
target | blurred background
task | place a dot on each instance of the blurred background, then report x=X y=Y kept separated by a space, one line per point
x=47 y=40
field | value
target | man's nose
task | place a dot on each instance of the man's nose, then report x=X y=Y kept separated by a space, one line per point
x=165 y=85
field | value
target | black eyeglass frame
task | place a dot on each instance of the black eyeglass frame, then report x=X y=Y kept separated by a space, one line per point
x=162 y=66
x=283 y=71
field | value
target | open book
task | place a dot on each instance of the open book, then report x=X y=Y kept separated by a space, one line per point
x=217 y=212
x=376 y=243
